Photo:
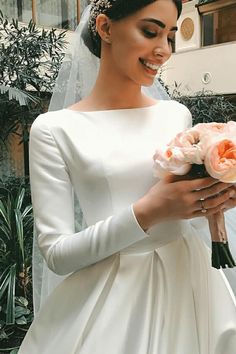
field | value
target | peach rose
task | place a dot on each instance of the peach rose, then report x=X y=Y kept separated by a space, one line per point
x=170 y=161
x=220 y=159
x=215 y=128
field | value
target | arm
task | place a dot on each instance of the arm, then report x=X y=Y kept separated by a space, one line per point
x=52 y=195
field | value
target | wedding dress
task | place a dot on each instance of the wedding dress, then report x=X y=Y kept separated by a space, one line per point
x=127 y=291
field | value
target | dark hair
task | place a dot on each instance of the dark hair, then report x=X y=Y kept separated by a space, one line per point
x=119 y=9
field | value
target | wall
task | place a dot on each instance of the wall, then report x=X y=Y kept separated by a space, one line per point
x=189 y=68
x=191 y=64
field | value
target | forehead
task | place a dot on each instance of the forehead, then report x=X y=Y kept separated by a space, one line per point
x=163 y=10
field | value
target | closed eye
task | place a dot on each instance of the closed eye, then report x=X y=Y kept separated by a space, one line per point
x=149 y=34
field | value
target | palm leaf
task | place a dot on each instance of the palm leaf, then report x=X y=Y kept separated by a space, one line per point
x=26 y=211
x=5 y=232
x=4 y=278
x=3 y=212
x=20 y=96
x=20 y=232
x=19 y=198
x=10 y=316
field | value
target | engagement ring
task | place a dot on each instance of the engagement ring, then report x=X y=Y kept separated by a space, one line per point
x=203 y=209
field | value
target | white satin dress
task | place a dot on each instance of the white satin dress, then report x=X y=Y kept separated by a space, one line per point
x=130 y=292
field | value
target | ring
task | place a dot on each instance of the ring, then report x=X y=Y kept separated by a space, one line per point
x=203 y=209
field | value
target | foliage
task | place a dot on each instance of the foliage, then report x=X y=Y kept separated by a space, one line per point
x=29 y=62
x=30 y=57
x=205 y=106
x=16 y=229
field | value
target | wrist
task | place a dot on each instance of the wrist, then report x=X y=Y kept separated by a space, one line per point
x=142 y=214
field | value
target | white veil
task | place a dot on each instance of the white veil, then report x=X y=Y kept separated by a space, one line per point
x=75 y=80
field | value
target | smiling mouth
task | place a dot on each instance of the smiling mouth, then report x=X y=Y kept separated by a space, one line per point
x=153 y=67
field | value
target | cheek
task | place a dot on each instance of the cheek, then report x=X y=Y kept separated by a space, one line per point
x=130 y=48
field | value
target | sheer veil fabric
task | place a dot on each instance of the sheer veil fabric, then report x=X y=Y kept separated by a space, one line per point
x=75 y=80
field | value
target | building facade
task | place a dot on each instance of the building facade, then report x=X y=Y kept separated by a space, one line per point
x=205 y=50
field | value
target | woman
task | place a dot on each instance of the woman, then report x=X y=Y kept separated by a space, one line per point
x=141 y=278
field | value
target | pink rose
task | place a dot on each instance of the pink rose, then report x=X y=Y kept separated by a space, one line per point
x=170 y=161
x=220 y=159
x=215 y=128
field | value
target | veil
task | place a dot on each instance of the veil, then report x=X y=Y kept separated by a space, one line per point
x=75 y=80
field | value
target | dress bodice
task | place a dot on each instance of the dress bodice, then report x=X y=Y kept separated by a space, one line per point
x=109 y=153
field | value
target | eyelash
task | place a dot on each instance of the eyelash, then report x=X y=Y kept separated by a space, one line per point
x=150 y=34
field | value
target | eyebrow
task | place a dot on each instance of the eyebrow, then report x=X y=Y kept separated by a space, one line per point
x=159 y=23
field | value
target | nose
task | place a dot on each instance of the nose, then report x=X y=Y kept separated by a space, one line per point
x=163 y=50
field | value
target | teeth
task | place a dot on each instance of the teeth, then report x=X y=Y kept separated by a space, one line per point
x=151 y=66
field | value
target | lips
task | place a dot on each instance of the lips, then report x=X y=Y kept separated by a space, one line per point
x=150 y=67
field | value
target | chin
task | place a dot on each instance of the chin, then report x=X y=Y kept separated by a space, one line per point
x=148 y=82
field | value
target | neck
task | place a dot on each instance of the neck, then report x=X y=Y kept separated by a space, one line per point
x=115 y=91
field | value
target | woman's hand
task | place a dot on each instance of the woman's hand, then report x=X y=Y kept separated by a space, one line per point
x=171 y=199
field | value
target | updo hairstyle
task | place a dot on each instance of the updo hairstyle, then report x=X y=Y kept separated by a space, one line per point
x=118 y=10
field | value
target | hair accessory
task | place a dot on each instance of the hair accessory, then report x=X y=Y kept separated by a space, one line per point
x=97 y=8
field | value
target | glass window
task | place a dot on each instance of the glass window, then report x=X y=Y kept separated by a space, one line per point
x=49 y=13
x=219 y=26
x=20 y=9
x=57 y=13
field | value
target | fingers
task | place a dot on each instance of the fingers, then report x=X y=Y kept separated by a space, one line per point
x=214 y=190
x=230 y=203
x=219 y=200
x=199 y=213
x=201 y=183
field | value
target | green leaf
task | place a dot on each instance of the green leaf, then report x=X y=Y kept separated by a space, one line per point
x=4 y=280
x=19 y=198
x=7 y=283
x=10 y=316
x=20 y=232
x=21 y=321
x=3 y=335
x=5 y=232
x=16 y=94
x=22 y=301
x=27 y=210
x=21 y=311
x=14 y=351
x=3 y=212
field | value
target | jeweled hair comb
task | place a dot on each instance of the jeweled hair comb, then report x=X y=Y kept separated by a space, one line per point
x=97 y=7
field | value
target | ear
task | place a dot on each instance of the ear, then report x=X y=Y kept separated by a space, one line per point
x=103 y=25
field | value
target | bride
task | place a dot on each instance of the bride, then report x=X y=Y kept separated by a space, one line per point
x=137 y=277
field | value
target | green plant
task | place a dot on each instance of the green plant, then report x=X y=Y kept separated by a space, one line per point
x=16 y=229
x=29 y=62
x=205 y=106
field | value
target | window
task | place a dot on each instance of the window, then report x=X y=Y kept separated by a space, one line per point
x=50 y=13
x=218 y=23
x=21 y=10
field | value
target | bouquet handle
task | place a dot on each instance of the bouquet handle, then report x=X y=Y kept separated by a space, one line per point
x=221 y=255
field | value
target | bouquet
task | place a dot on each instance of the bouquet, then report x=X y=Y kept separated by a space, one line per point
x=207 y=149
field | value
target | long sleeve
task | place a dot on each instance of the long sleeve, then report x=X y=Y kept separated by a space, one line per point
x=52 y=195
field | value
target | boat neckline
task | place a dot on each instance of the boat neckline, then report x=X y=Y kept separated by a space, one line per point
x=117 y=110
